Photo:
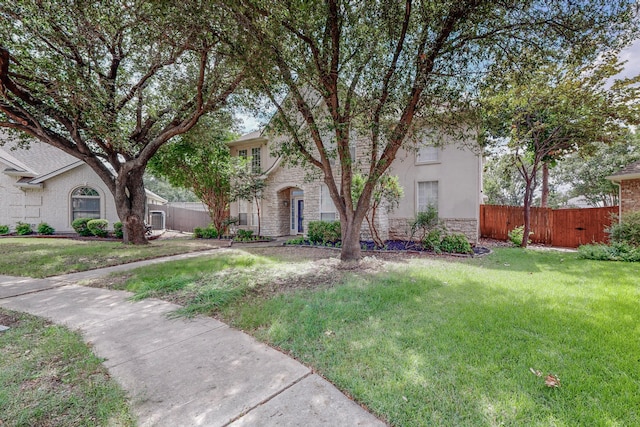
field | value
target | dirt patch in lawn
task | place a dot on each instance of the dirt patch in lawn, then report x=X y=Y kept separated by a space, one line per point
x=8 y=319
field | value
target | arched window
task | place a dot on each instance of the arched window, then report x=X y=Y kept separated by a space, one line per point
x=85 y=203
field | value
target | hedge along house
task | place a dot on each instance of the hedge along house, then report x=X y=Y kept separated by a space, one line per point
x=44 y=184
x=448 y=176
x=628 y=182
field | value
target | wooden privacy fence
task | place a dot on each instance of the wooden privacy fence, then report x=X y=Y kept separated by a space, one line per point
x=182 y=219
x=567 y=228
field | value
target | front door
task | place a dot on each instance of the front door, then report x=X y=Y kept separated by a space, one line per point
x=297 y=215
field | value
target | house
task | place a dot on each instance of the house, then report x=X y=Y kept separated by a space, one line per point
x=447 y=176
x=44 y=184
x=628 y=182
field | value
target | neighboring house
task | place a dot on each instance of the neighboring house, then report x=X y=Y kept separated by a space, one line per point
x=45 y=184
x=628 y=182
x=448 y=177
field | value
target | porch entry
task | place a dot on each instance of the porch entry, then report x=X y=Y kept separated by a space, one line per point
x=297 y=211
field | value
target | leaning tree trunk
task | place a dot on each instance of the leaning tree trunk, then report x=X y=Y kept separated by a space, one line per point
x=130 y=201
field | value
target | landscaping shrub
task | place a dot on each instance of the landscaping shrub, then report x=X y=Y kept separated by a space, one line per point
x=80 y=226
x=46 y=229
x=516 y=235
x=456 y=243
x=244 y=235
x=324 y=231
x=117 y=230
x=431 y=241
x=617 y=251
x=4 y=229
x=424 y=222
x=22 y=228
x=208 y=232
x=98 y=227
x=626 y=231
x=295 y=241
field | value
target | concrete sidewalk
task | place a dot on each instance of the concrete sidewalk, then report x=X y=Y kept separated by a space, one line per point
x=181 y=372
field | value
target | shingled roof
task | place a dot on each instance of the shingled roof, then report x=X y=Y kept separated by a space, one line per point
x=34 y=164
x=631 y=171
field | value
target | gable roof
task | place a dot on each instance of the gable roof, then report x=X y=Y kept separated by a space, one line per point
x=35 y=163
x=631 y=171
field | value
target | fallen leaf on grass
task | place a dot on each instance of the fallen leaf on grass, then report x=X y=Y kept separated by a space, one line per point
x=552 y=381
x=535 y=372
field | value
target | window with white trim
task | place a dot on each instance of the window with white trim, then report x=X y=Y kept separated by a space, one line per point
x=427 y=195
x=256 y=166
x=254 y=215
x=85 y=203
x=242 y=212
x=428 y=154
x=327 y=208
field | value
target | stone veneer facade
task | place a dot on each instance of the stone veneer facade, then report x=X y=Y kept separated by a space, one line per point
x=629 y=195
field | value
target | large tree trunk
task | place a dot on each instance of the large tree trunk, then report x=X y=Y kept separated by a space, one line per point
x=351 y=250
x=131 y=201
x=544 y=199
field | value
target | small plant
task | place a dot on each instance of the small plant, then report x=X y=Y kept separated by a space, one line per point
x=324 y=231
x=4 y=229
x=424 y=222
x=296 y=241
x=45 y=229
x=208 y=232
x=432 y=239
x=455 y=243
x=627 y=230
x=244 y=235
x=516 y=235
x=22 y=228
x=80 y=226
x=117 y=230
x=98 y=227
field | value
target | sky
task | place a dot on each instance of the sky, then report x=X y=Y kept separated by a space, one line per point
x=632 y=68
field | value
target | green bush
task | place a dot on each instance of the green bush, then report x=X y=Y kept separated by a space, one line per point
x=208 y=232
x=46 y=229
x=627 y=230
x=117 y=230
x=324 y=232
x=617 y=251
x=431 y=241
x=244 y=235
x=98 y=227
x=80 y=226
x=22 y=228
x=516 y=235
x=295 y=241
x=456 y=243
x=4 y=229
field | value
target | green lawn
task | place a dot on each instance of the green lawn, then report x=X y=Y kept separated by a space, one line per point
x=40 y=257
x=441 y=342
x=49 y=377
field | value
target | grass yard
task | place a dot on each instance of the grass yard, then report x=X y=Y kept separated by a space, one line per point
x=39 y=257
x=49 y=377
x=433 y=341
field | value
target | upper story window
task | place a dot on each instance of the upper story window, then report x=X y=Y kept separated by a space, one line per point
x=256 y=164
x=428 y=154
x=85 y=203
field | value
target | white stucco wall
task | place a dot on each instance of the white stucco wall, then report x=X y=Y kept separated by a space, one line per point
x=52 y=203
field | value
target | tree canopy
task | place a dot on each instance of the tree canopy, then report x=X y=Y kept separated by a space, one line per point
x=200 y=160
x=111 y=82
x=385 y=70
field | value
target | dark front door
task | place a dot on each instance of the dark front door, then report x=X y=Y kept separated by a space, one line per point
x=300 y=215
